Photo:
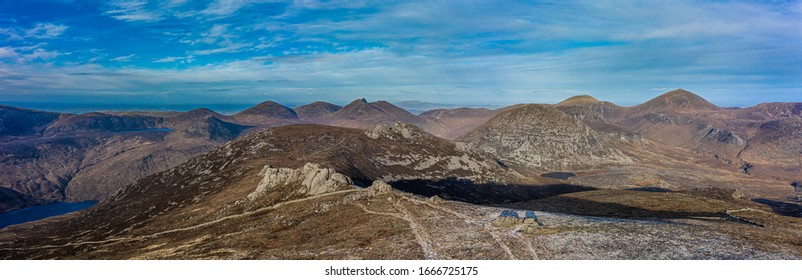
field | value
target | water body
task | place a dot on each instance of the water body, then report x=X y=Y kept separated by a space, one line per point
x=558 y=175
x=80 y=108
x=39 y=212
x=162 y=129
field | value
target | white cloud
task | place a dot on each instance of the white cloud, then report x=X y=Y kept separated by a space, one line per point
x=125 y=58
x=39 y=31
x=223 y=38
x=10 y=33
x=175 y=3
x=26 y=54
x=41 y=54
x=45 y=30
x=132 y=10
x=168 y=59
x=182 y=59
x=8 y=52
x=226 y=48
x=228 y=7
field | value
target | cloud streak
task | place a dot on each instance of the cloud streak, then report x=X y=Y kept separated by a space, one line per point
x=39 y=31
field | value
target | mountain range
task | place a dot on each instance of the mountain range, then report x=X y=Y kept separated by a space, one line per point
x=199 y=184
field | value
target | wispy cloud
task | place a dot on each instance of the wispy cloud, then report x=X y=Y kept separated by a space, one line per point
x=125 y=58
x=227 y=48
x=39 y=31
x=45 y=30
x=229 y=7
x=26 y=54
x=224 y=40
x=132 y=10
x=182 y=59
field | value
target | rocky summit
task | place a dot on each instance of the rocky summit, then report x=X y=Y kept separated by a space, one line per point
x=535 y=138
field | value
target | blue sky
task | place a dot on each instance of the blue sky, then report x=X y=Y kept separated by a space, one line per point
x=456 y=52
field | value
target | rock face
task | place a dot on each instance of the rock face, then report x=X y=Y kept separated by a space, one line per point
x=541 y=137
x=311 y=180
x=449 y=160
x=380 y=186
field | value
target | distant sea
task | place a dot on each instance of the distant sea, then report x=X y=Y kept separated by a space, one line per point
x=414 y=107
x=79 y=108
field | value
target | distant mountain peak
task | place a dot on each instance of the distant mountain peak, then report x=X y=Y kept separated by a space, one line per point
x=201 y=112
x=266 y=112
x=678 y=99
x=578 y=100
x=315 y=110
x=356 y=103
x=267 y=106
x=362 y=114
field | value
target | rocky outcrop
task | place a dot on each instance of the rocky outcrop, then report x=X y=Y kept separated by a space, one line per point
x=396 y=131
x=435 y=199
x=722 y=136
x=432 y=158
x=311 y=180
x=380 y=186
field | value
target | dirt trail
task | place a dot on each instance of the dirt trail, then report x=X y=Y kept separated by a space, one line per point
x=122 y=239
x=423 y=237
x=485 y=227
x=424 y=242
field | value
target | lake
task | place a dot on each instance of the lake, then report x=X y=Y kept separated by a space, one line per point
x=39 y=212
x=558 y=175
